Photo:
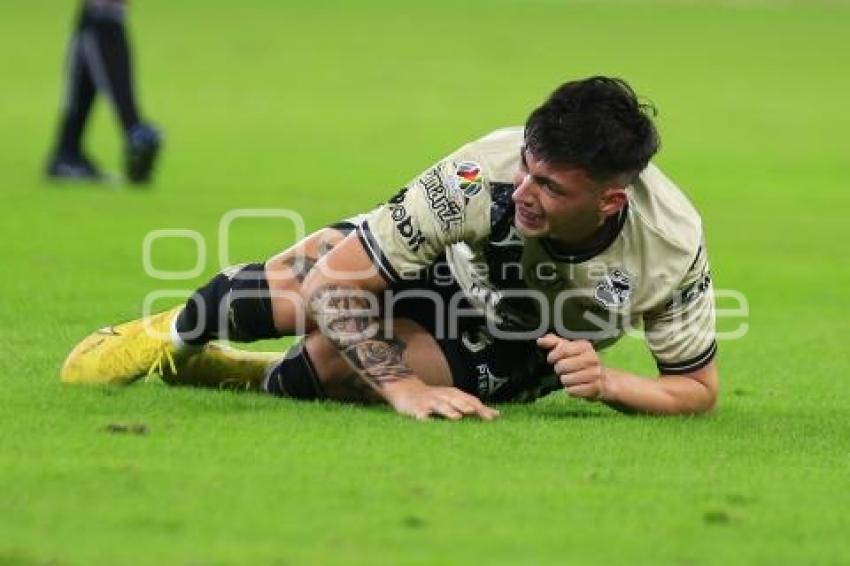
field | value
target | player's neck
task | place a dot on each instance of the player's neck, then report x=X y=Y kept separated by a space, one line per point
x=591 y=245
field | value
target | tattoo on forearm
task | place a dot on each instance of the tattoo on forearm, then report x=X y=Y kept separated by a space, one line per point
x=349 y=319
x=378 y=359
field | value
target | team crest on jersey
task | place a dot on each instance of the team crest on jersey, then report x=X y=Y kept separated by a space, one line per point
x=468 y=176
x=615 y=289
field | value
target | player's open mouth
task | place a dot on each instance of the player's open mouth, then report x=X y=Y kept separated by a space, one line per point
x=528 y=219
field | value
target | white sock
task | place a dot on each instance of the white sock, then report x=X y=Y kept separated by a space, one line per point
x=176 y=341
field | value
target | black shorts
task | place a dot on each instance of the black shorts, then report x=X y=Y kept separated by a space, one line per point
x=492 y=369
x=484 y=366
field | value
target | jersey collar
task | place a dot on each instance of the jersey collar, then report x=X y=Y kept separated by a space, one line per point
x=605 y=237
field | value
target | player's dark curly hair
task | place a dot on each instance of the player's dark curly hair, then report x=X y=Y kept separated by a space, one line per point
x=597 y=124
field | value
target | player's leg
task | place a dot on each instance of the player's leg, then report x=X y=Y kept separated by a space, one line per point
x=287 y=270
x=107 y=55
x=311 y=369
x=68 y=160
x=244 y=303
x=314 y=369
x=268 y=305
x=256 y=301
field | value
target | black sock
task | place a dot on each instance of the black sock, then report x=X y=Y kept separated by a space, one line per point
x=234 y=305
x=77 y=99
x=295 y=376
x=107 y=55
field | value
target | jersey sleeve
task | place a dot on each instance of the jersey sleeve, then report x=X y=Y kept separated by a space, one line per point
x=681 y=332
x=447 y=204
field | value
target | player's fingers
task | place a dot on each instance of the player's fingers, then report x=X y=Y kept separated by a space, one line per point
x=485 y=412
x=579 y=378
x=461 y=405
x=471 y=405
x=566 y=366
x=548 y=341
x=571 y=364
x=583 y=391
x=488 y=413
x=482 y=410
x=478 y=408
x=575 y=349
x=558 y=352
x=445 y=409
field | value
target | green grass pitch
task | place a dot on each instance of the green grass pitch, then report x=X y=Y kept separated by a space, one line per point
x=328 y=107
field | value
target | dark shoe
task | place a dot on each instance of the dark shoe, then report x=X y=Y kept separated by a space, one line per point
x=73 y=168
x=143 y=143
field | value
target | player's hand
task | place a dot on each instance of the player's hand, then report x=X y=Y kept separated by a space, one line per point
x=413 y=398
x=577 y=365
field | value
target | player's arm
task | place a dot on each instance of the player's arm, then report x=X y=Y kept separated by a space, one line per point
x=581 y=372
x=680 y=334
x=688 y=393
x=341 y=293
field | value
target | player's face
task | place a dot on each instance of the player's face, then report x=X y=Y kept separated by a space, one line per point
x=561 y=202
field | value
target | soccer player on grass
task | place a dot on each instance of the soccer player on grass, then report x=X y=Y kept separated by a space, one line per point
x=99 y=61
x=496 y=275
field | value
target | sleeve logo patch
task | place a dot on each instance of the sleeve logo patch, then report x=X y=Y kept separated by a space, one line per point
x=691 y=294
x=444 y=205
x=468 y=177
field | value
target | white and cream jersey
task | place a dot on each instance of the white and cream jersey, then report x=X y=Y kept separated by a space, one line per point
x=649 y=272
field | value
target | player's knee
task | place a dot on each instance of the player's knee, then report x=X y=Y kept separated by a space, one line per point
x=314 y=369
x=295 y=376
x=235 y=305
x=288 y=310
x=280 y=275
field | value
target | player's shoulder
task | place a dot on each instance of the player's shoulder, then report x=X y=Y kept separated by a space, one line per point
x=496 y=153
x=664 y=210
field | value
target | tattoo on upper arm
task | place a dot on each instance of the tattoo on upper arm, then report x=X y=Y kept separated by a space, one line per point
x=349 y=318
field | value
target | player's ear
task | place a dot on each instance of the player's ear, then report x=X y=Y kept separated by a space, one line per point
x=613 y=200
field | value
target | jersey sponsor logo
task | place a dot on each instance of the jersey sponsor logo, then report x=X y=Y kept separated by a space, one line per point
x=468 y=177
x=615 y=289
x=404 y=222
x=447 y=211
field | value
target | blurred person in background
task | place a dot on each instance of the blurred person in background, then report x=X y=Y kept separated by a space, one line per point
x=99 y=61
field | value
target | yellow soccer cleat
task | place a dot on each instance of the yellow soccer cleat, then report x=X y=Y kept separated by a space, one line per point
x=223 y=367
x=122 y=354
